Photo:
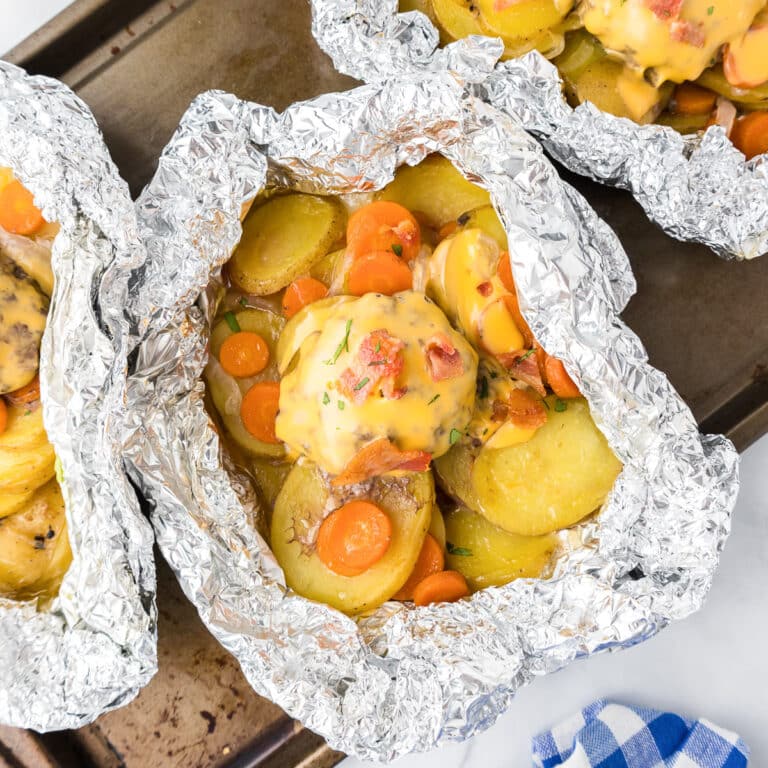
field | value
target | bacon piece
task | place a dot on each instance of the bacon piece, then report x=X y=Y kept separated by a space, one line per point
x=503 y=5
x=484 y=289
x=524 y=366
x=689 y=32
x=407 y=232
x=443 y=359
x=378 y=363
x=665 y=9
x=379 y=457
x=525 y=409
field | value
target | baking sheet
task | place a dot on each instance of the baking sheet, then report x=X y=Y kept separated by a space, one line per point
x=703 y=321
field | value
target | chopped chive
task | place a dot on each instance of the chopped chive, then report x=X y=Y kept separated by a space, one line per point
x=397 y=249
x=482 y=389
x=433 y=399
x=326 y=399
x=377 y=362
x=710 y=10
x=459 y=551
x=560 y=405
x=361 y=384
x=454 y=436
x=526 y=355
x=343 y=345
x=243 y=302
x=342 y=405
x=232 y=322
x=378 y=347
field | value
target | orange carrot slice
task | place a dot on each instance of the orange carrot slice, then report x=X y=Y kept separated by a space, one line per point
x=18 y=212
x=3 y=416
x=259 y=410
x=558 y=379
x=383 y=226
x=690 y=99
x=301 y=292
x=443 y=587
x=750 y=134
x=379 y=272
x=354 y=537
x=431 y=560
x=29 y=393
x=244 y=354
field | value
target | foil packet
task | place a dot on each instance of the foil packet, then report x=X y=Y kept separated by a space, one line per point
x=404 y=679
x=94 y=646
x=696 y=188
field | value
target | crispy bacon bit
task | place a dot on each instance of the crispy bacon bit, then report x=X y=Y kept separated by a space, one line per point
x=379 y=457
x=665 y=9
x=378 y=363
x=524 y=366
x=526 y=410
x=503 y=5
x=485 y=289
x=500 y=411
x=407 y=232
x=689 y=32
x=724 y=115
x=443 y=359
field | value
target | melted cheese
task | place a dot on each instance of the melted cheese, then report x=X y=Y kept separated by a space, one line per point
x=318 y=420
x=463 y=280
x=646 y=41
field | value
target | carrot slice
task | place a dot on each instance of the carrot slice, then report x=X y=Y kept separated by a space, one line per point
x=354 y=537
x=383 y=226
x=431 y=560
x=18 y=212
x=447 y=230
x=750 y=134
x=690 y=99
x=558 y=379
x=379 y=457
x=443 y=587
x=29 y=393
x=259 y=410
x=244 y=354
x=379 y=272
x=504 y=270
x=3 y=416
x=301 y=292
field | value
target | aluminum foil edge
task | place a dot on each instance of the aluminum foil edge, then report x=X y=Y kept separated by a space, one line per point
x=402 y=679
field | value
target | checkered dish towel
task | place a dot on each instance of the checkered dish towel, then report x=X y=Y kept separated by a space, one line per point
x=607 y=735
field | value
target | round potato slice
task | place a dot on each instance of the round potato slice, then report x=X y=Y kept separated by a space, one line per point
x=24 y=429
x=304 y=503
x=488 y=556
x=24 y=470
x=34 y=546
x=456 y=19
x=283 y=238
x=13 y=502
x=524 y=19
x=227 y=391
x=559 y=476
x=486 y=219
x=435 y=189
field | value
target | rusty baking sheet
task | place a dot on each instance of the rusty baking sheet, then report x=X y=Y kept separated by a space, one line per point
x=138 y=64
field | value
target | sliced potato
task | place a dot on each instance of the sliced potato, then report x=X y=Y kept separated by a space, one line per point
x=283 y=238
x=487 y=219
x=13 y=502
x=435 y=189
x=456 y=19
x=326 y=269
x=559 y=476
x=34 y=546
x=437 y=526
x=24 y=429
x=24 y=470
x=522 y=20
x=270 y=477
x=488 y=556
x=304 y=503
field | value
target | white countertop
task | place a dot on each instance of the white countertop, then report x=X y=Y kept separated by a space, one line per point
x=713 y=665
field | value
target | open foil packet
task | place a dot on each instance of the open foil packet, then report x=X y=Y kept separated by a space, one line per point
x=402 y=679
x=94 y=646
x=696 y=188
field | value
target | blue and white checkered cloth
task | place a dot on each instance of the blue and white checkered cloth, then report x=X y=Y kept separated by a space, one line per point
x=607 y=735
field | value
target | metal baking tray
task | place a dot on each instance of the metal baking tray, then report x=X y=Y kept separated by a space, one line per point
x=138 y=64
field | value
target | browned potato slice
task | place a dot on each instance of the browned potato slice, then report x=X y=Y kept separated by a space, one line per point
x=456 y=19
x=488 y=556
x=270 y=477
x=34 y=546
x=25 y=469
x=283 y=238
x=13 y=502
x=24 y=429
x=304 y=503
x=487 y=219
x=435 y=189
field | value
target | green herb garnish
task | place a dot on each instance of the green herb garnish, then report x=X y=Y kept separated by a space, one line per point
x=526 y=355
x=433 y=399
x=361 y=384
x=455 y=436
x=459 y=551
x=397 y=249
x=560 y=405
x=326 y=399
x=482 y=387
x=342 y=405
x=710 y=10
x=378 y=347
x=243 y=302
x=232 y=322
x=343 y=345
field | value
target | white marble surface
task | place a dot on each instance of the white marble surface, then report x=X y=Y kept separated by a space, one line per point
x=714 y=664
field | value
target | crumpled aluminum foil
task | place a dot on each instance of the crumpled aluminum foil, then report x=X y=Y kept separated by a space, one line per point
x=94 y=647
x=695 y=188
x=403 y=679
